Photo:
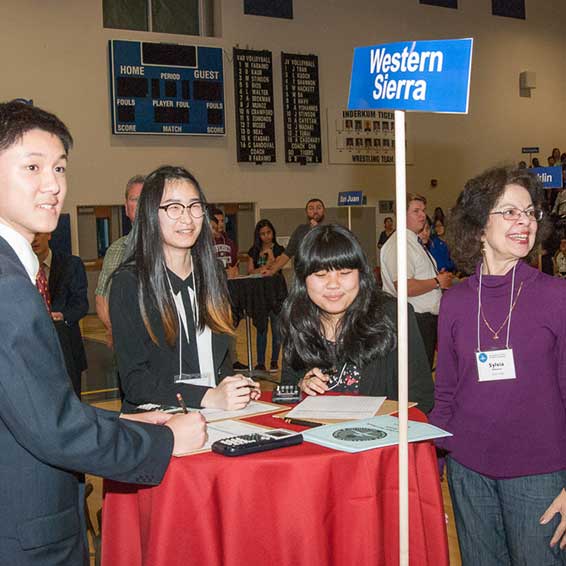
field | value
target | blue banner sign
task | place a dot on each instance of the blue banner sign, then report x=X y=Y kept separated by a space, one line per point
x=550 y=177
x=532 y=149
x=425 y=76
x=350 y=198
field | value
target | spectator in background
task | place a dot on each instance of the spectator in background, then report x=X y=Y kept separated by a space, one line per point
x=550 y=161
x=438 y=215
x=315 y=211
x=262 y=255
x=563 y=158
x=66 y=301
x=535 y=162
x=114 y=255
x=439 y=248
x=560 y=260
x=388 y=229
x=425 y=283
x=227 y=252
x=556 y=156
x=559 y=207
x=522 y=165
x=226 y=249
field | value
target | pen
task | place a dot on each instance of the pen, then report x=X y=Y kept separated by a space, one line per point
x=298 y=422
x=182 y=403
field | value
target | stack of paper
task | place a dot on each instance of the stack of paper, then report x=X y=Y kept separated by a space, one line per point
x=357 y=436
x=336 y=407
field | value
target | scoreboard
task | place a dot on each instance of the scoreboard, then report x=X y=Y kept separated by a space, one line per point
x=159 y=88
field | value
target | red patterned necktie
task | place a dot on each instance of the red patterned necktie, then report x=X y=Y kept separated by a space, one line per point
x=43 y=287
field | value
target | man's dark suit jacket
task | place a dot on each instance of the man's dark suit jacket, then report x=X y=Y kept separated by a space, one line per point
x=45 y=431
x=68 y=290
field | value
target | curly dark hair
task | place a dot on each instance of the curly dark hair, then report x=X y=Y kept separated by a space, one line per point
x=364 y=332
x=469 y=217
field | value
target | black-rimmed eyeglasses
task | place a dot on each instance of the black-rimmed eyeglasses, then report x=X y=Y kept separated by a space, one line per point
x=513 y=214
x=175 y=210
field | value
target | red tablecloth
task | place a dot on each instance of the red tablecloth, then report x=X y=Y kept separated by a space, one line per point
x=299 y=506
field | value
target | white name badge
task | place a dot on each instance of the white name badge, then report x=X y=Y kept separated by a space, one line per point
x=495 y=365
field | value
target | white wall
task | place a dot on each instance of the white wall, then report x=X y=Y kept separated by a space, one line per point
x=55 y=51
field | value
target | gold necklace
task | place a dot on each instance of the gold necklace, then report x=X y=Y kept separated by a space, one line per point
x=496 y=332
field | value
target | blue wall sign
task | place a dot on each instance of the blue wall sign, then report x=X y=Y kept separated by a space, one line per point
x=425 y=76
x=159 y=88
x=550 y=177
x=350 y=198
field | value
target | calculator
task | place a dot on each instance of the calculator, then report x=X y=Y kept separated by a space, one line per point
x=256 y=442
x=286 y=394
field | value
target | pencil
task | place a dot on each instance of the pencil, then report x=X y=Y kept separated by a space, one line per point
x=182 y=403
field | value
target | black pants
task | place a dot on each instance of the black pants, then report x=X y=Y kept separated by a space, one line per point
x=428 y=324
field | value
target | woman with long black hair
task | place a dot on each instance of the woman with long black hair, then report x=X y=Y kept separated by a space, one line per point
x=262 y=255
x=339 y=329
x=169 y=304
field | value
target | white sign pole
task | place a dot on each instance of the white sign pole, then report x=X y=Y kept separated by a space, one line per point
x=402 y=353
x=350 y=218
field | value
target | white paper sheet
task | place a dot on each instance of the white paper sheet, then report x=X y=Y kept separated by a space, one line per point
x=253 y=408
x=225 y=429
x=345 y=407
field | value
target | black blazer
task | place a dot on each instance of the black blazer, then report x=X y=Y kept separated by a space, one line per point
x=46 y=431
x=379 y=377
x=68 y=290
x=147 y=370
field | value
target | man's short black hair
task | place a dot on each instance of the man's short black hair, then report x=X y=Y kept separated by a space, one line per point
x=314 y=200
x=18 y=118
x=214 y=211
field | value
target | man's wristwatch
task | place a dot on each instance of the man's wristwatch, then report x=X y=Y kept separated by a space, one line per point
x=437 y=283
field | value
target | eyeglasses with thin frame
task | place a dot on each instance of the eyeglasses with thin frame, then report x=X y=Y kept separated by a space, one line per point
x=175 y=210
x=513 y=214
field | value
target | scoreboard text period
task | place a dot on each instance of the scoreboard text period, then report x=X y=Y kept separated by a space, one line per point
x=160 y=88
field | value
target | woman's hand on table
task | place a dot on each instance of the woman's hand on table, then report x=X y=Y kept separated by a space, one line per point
x=233 y=393
x=557 y=506
x=314 y=382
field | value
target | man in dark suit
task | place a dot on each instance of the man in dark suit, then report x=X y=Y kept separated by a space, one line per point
x=45 y=431
x=67 y=284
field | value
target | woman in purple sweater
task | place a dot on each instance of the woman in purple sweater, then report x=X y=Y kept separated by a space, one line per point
x=501 y=378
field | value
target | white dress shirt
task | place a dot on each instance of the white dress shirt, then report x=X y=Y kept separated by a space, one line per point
x=22 y=248
x=420 y=265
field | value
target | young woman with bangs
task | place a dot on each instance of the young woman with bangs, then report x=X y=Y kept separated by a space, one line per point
x=339 y=329
x=169 y=304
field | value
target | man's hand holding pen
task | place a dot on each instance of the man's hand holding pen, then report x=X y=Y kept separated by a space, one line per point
x=189 y=430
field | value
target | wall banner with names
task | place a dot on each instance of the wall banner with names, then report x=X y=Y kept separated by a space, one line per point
x=255 y=124
x=422 y=76
x=301 y=108
x=363 y=137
